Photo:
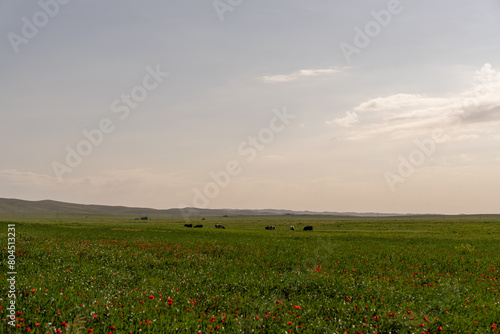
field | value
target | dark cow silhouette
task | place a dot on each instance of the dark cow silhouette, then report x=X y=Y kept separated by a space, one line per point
x=270 y=227
x=144 y=218
x=308 y=228
x=292 y=228
x=198 y=226
x=219 y=226
x=188 y=225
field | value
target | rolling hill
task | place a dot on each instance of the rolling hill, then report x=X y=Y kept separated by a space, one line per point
x=17 y=206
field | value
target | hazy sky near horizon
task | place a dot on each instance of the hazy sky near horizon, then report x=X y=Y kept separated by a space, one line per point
x=384 y=106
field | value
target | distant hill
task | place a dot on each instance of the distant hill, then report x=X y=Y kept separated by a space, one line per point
x=17 y=206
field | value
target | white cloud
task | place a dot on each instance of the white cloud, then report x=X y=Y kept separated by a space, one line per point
x=20 y=178
x=466 y=137
x=464 y=115
x=152 y=187
x=298 y=75
x=398 y=101
x=347 y=121
x=105 y=180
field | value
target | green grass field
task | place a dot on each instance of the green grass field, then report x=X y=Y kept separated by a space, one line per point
x=424 y=274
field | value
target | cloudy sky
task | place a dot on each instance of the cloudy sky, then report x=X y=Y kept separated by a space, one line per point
x=386 y=106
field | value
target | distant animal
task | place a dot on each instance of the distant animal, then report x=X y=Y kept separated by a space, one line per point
x=308 y=228
x=292 y=228
x=198 y=226
x=219 y=226
x=270 y=227
x=202 y=218
x=188 y=225
x=144 y=218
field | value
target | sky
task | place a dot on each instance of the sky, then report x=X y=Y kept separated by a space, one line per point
x=346 y=106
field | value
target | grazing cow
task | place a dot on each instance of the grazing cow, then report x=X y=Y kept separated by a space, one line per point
x=292 y=228
x=188 y=225
x=219 y=226
x=198 y=226
x=144 y=218
x=270 y=227
x=308 y=228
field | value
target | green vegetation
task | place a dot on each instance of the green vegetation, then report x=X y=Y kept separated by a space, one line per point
x=356 y=275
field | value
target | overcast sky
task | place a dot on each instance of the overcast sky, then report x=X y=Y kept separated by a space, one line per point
x=385 y=106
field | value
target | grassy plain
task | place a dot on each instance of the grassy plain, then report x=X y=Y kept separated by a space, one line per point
x=105 y=274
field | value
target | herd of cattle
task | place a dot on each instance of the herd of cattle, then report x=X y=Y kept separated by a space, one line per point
x=191 y=225
x=306 y=228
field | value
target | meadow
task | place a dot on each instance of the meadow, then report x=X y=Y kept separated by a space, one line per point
x=421 y=274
